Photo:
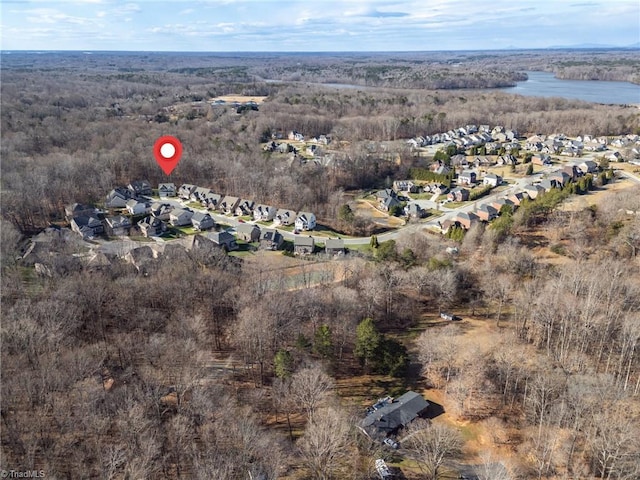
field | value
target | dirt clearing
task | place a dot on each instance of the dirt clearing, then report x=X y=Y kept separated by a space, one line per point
x=240 y=98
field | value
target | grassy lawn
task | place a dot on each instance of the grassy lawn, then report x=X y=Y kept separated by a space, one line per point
x=421 y=196
x=188 y=230
x=456 y=204
x=324 y=230
x=360 y=248
x=194 y=205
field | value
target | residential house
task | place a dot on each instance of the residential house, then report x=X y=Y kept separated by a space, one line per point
x=79 y=210
x=588 y=166
x=405 y=186
x=459 y=160
x=614 y=157
x=136 y=207
x=481 y=161
x=224 y=240
x=140 y=187
x=553 y=146
x=180 y=217
x=167 y=190
x=541 y=159
x=118 y=226
x=271 y=240
x=296 y=136
x=211 y=200
x=264 y=213
x=381 y=195
x=508 y=159
x=560 y=177
x=202 y=221
x=548 y=184
x=229 y=204
x=389 y=203
x=199 y=194
x=439 y=168
x=185 y=191
x=413 y=210
x=305 y=221
x=533 y=190
x=572 y=149
x=284 y=217
x=467 y=177
x=594 y=146
x=439 y=188
x=500 y=137
x=458 y=194
x=510 y=147
x=572 y=171
x=334 y=246
x=517 y=198
x=118 y=198
x=248 y=232
x=161 y=210
x=151 y=226
x=245 y=208
x=499 y=203
x=303 y=245
x=87 y=226
x=492 y=179
x=388 y=416
x=466 y=219
x=486 y=212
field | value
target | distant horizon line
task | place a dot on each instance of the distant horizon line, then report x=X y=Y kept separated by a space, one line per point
x=506 y=49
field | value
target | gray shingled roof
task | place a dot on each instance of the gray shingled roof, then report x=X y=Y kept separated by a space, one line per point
x=397 y=414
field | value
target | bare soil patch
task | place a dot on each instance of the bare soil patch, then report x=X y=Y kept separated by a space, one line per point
x=365 y=209
x=240 y=98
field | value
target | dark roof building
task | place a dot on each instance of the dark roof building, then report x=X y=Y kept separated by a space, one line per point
x=389 y=416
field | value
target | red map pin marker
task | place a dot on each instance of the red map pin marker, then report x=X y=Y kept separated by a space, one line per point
x=167 y=151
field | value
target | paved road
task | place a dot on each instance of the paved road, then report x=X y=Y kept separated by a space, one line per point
x=629 y=175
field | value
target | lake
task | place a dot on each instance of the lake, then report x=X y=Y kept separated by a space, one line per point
x=544 y=84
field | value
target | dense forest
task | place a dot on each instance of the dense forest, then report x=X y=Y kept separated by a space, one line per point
x=204 y=365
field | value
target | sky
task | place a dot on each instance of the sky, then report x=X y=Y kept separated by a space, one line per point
x=315 y=25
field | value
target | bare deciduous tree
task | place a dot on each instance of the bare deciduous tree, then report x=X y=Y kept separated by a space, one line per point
x=310 y=387
x=325 y=444
x=430 y=444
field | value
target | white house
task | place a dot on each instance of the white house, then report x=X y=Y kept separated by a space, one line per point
x=264 y=213
x=305 y=221
x=134 y=207
x=492 y=179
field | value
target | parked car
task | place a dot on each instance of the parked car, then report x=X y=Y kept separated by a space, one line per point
x=390 y=442
x=449 y=316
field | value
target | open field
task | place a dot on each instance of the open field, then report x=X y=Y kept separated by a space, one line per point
x=240 y=98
